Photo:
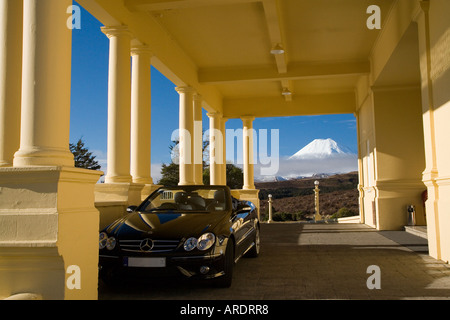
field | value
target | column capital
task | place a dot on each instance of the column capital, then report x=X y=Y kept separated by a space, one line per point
x=198 y=97
x=214 y=114
x=247 y=118
x=115 y=31
x=186 y=89
x=141 y=50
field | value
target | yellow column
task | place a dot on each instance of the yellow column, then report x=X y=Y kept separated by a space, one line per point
x=198 y=140
x=431 y=88
x=141 y=116
x=45 y=201
x=224 y=152
x=45 y=116
x=11 y=12
x=247 y=134
x=119 y=105
x=186 y=130
x=215 y=148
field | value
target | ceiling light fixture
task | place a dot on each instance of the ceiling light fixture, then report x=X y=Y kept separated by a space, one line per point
x=286 y=92
x=277 y=49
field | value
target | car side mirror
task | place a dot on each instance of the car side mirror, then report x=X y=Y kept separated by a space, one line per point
x=130 y=209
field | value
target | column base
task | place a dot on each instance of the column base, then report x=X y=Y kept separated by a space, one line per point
x=48 y=222
x=5 y=164
x=118 y=179
x=143 y=180
x=368 y=206
x=112 y=200
x=29 y=157
x=392 y=198
x=186 y=183
x=432 y=213
x=438 y=221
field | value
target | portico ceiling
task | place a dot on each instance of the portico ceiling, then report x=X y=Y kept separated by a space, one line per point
x=222 y=49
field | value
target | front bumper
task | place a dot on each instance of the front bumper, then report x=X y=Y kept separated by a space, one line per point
x=206 y=266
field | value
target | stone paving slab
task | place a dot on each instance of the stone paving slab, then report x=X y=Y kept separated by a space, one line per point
x=316 y=261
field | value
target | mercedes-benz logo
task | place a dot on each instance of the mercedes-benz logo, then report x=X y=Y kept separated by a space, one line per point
x=146 y=245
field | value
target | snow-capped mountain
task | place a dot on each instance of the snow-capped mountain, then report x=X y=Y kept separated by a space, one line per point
x=319 y=158
x=321 y=148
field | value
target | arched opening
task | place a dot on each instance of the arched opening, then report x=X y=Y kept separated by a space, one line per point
x=292 y=152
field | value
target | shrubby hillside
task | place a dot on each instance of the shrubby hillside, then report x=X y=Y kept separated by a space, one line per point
x=294 y=199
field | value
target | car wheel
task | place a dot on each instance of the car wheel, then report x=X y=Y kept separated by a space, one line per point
x=254 y=251
x=225 y=280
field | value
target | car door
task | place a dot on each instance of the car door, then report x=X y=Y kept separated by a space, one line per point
x=243 y=227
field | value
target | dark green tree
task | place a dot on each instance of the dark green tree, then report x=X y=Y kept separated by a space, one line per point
x=83 y=158
x=170 y=175
x=235 y=177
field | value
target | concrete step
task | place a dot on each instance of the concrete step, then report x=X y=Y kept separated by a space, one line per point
x=420 y=231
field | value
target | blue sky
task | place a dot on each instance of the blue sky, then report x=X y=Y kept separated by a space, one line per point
x=90 y=50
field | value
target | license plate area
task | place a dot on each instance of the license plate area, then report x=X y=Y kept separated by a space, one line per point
x=144 y=262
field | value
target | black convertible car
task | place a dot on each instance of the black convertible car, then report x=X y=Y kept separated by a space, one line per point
x=195 y=231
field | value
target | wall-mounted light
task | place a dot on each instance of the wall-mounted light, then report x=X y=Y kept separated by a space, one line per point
x=286 y=92
x=277 y=49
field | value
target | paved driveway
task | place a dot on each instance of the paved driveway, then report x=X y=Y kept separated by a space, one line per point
x=317 y=261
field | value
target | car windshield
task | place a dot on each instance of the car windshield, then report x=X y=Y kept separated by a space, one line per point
x=186 y=199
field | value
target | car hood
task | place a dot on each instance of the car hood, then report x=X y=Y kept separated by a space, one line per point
x=167 y=225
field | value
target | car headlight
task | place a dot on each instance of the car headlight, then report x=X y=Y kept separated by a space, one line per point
x=190 y=244
x=206 y=241
x=111 y=243
x=103 y=237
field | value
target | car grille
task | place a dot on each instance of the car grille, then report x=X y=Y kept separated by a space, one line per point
x=158 y=245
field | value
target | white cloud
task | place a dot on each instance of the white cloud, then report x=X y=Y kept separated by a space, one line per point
x=156 y=172
x=100 y=157
x=284 y=168
x=307 y=167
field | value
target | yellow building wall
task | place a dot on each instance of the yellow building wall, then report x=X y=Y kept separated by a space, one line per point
x=400 y=158
x=392 y=156
x=434 y=44
x=399 y=134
